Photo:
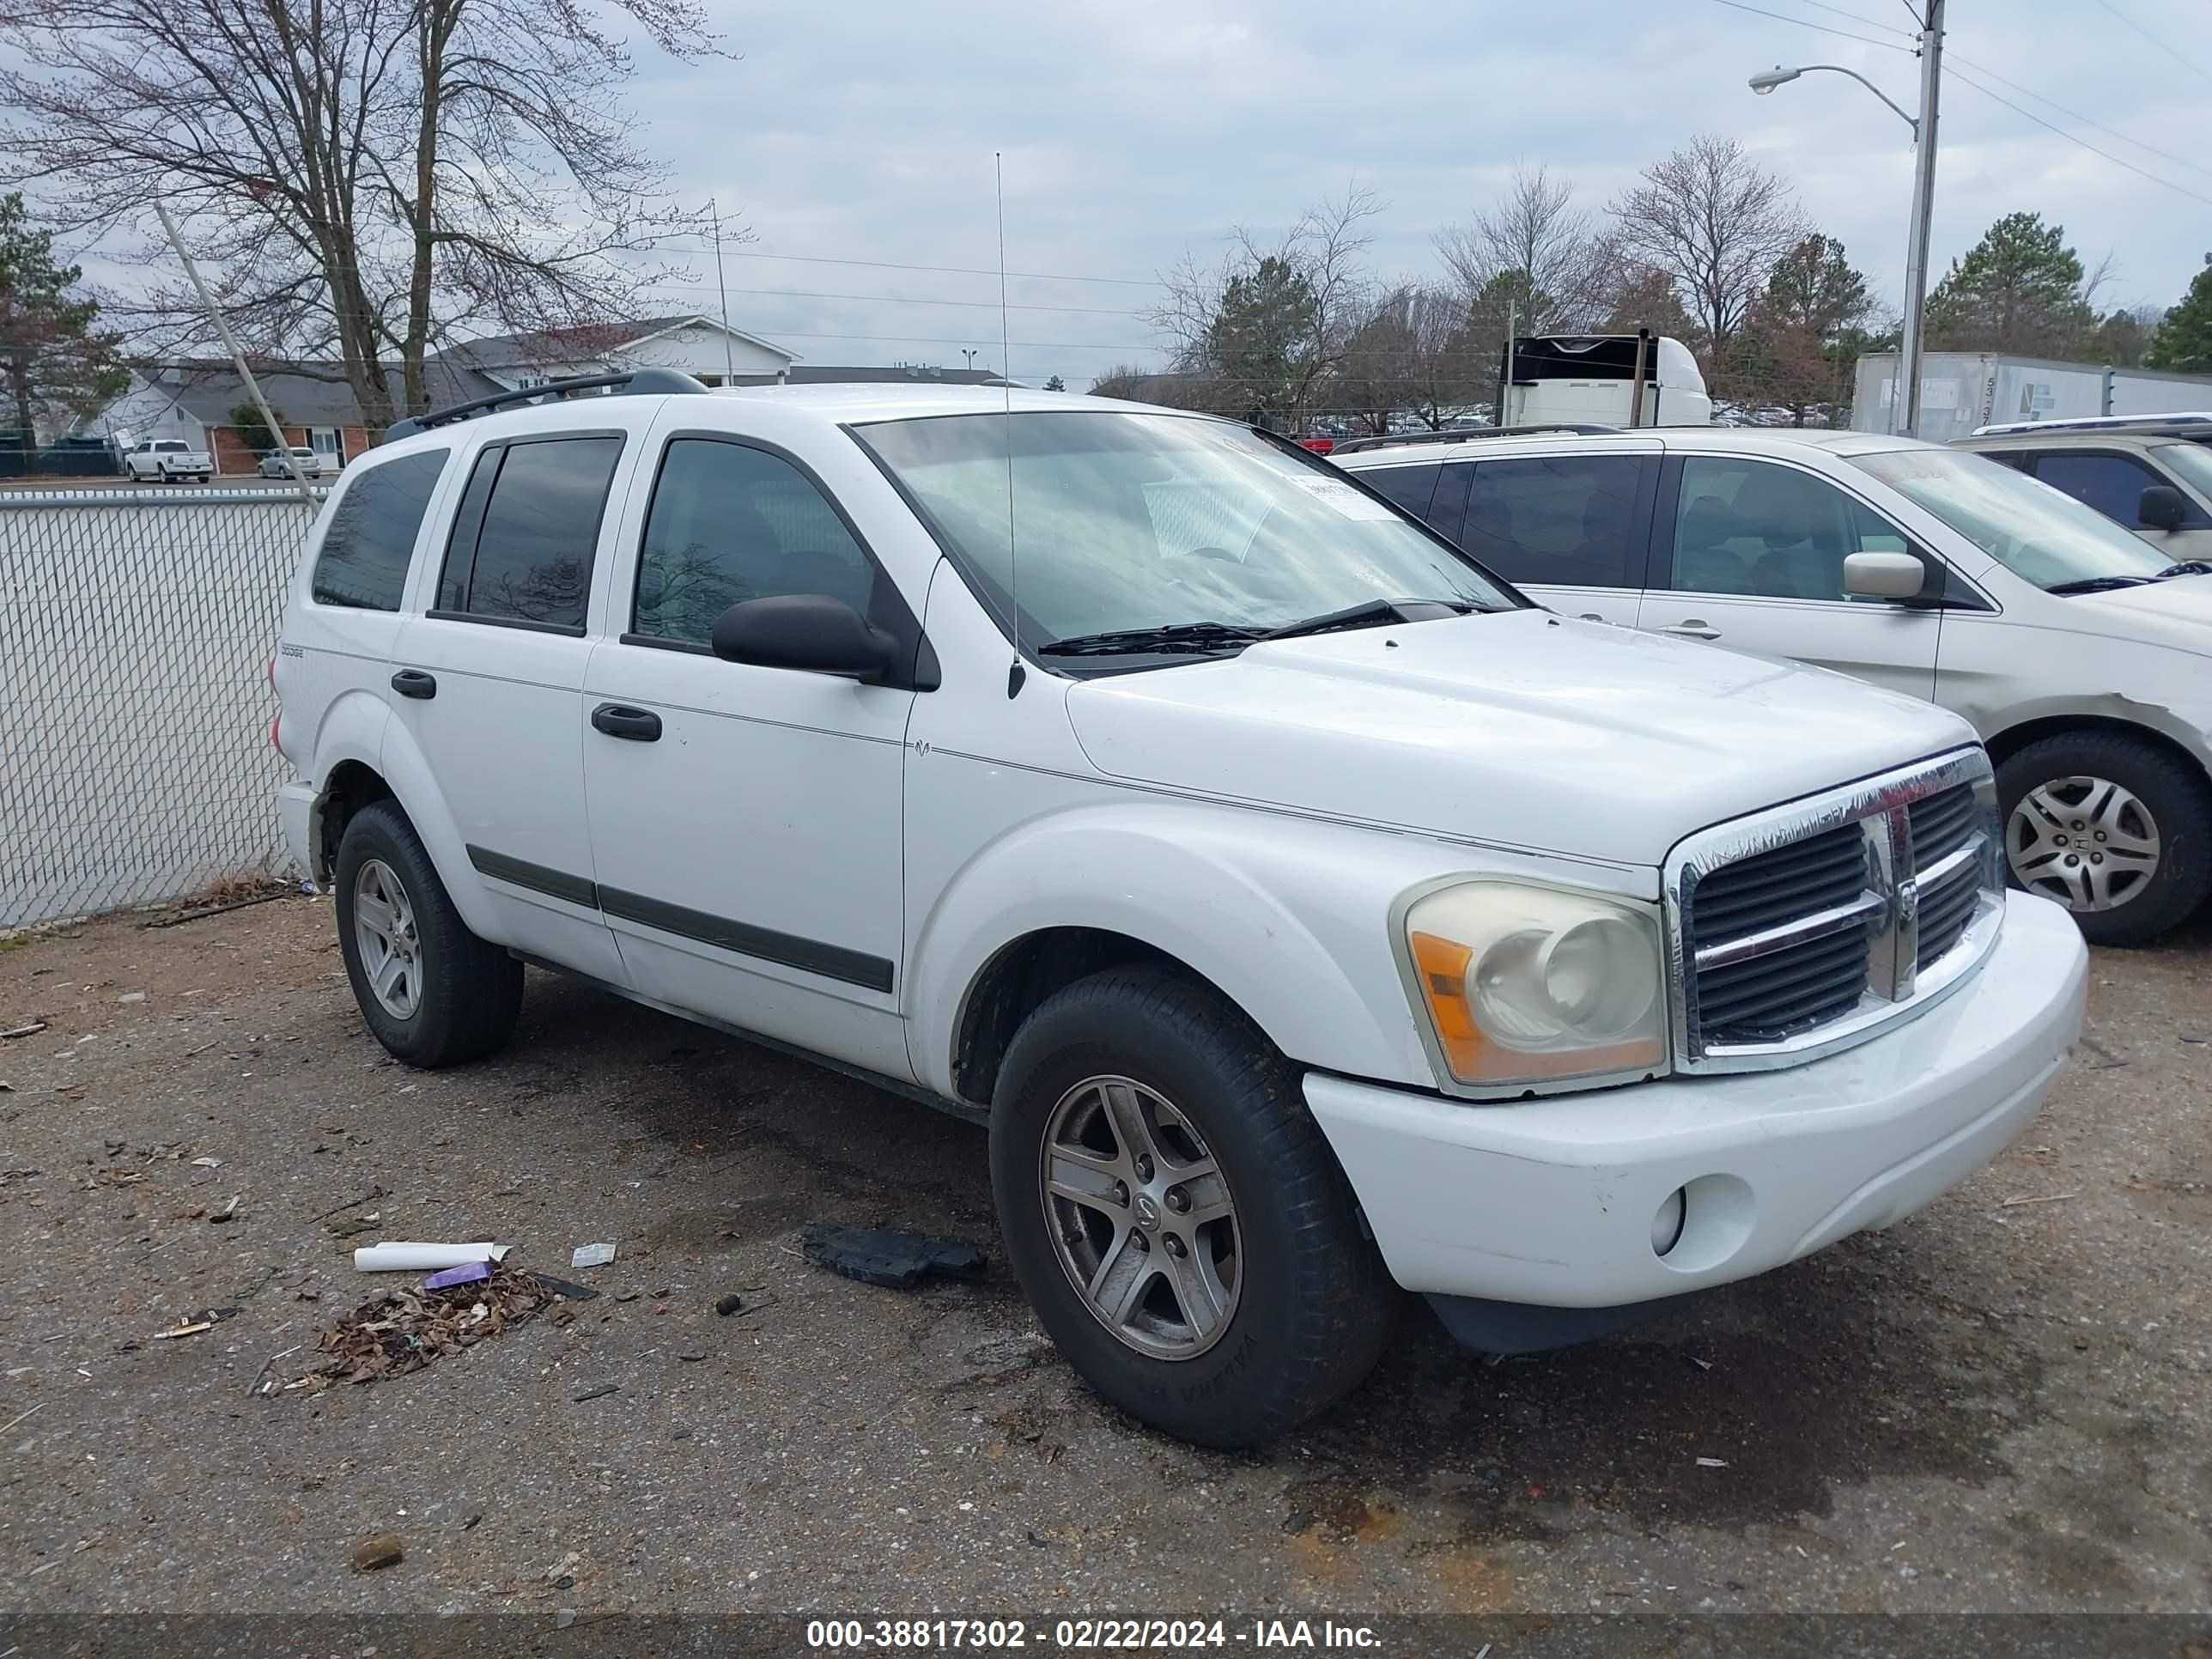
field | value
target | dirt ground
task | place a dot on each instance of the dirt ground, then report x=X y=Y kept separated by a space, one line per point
x=2001 y=1404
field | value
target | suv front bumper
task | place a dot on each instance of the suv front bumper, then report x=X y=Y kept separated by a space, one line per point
x=1555 y=1202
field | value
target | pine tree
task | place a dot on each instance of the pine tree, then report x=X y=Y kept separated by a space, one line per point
x=2183 y=341
x=2018 y=290
x=50 y=357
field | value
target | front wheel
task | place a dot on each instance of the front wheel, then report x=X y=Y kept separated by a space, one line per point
x=432 y=992
x=1174 y=1215
x=2117 y=830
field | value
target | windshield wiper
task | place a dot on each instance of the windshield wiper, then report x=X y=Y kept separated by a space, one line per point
x=1370 y=613
x=2188 y=568
x=2097 y=584
x=1172 y=636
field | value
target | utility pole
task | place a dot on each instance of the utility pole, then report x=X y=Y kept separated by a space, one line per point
x=1904 y=408
x=729 y=370
x=238 y=358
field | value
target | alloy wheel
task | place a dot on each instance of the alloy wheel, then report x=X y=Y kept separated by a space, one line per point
x=1141 y=1217
x=384 y=931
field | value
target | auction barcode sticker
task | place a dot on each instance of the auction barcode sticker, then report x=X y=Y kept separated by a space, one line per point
x=1351 y=502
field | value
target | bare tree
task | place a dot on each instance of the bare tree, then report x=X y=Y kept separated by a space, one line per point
x=1303 y=296
x=369 y=179
x=1555 y=261
x=1716 y=222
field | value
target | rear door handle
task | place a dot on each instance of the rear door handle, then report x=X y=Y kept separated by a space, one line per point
x=1691 y=628
x=414 y=683
x=619 y=720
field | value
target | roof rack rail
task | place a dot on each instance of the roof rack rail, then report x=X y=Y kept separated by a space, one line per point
x=635 y=382
x=1469 y=434
x=2178 y=423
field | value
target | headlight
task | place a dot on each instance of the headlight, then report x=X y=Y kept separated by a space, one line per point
x=1528 y=985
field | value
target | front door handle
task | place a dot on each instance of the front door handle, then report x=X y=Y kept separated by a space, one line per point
x=414 y=683
x=619 y=720
x=1691 y=628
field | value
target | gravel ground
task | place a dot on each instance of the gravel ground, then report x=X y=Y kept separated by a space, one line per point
x=1998 y=1404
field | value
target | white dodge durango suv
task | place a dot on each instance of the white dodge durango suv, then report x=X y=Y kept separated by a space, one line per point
x=1302 y=909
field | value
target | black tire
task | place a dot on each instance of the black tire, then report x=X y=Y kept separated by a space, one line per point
x=1313 y=1301
x=469 y=992
x=2175 y=795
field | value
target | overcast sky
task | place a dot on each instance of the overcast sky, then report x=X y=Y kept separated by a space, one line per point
x=865 y=129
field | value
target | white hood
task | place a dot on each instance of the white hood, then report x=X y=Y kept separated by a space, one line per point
x=1520 y=728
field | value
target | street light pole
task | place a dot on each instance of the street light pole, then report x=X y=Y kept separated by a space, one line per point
x=1905 y=409
x=1905 y=401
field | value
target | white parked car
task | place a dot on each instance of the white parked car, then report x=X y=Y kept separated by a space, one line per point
x=167 y=461
x=2081 y=654
x=1302 y=909
x=273 y=464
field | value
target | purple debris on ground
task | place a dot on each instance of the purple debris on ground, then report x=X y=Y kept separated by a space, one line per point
x=468 y=1273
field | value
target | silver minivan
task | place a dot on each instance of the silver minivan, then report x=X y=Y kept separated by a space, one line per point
x=2082 y=653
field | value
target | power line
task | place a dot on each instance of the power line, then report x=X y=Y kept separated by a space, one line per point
x=950 y=270
x=903 y=299
x=2147 y=35
x=2075 y=114
x=1861 y=17
x=969 y=339
x=1805 y=23
x=2071 y=139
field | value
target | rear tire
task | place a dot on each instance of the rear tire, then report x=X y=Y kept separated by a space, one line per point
x=1288 y=1301
x=432 y=992
x=2115 y=829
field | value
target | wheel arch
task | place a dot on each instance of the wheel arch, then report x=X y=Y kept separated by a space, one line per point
x=1022 y=974
x=2005 y=744
x=1287 y=924
x=399 y=774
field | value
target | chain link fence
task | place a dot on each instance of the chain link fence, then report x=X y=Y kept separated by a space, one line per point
x=135 y=760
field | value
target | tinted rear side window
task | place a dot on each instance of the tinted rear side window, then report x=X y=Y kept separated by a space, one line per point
x=530 y=559
x=1569 y=519
x=371 y=535
x=1410 y=487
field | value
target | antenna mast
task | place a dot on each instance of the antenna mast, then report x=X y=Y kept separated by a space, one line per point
x=729 y=372
x=1015 y=673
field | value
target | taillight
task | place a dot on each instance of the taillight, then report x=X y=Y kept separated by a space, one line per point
x=1319 y=446
x=275 y=724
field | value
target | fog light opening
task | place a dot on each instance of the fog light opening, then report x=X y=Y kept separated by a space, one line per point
x=1667 y=1220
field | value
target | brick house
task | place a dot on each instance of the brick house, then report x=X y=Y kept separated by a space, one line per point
x=194 y=399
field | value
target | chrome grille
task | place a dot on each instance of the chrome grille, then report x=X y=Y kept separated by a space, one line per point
x=1813 y=979
x=1803 y=929
x=1943 y=827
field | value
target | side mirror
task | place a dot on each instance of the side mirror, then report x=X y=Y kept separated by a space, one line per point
x=2162 y=507
x=1884 y=576
x=811 y=632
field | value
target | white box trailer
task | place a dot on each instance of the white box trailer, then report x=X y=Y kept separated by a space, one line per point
x=1960 y=391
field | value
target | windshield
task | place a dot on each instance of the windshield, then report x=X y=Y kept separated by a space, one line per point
x=1140 y=521
x=2190 y=462
x=2038 y=534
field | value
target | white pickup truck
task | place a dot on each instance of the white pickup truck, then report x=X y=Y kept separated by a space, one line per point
x=1302 y=909
x=167 y=461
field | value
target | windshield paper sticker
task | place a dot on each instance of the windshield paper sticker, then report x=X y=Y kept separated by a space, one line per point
x=1345 y=499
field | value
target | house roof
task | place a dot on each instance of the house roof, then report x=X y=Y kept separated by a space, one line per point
x=531 y=347
x=208 y=389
